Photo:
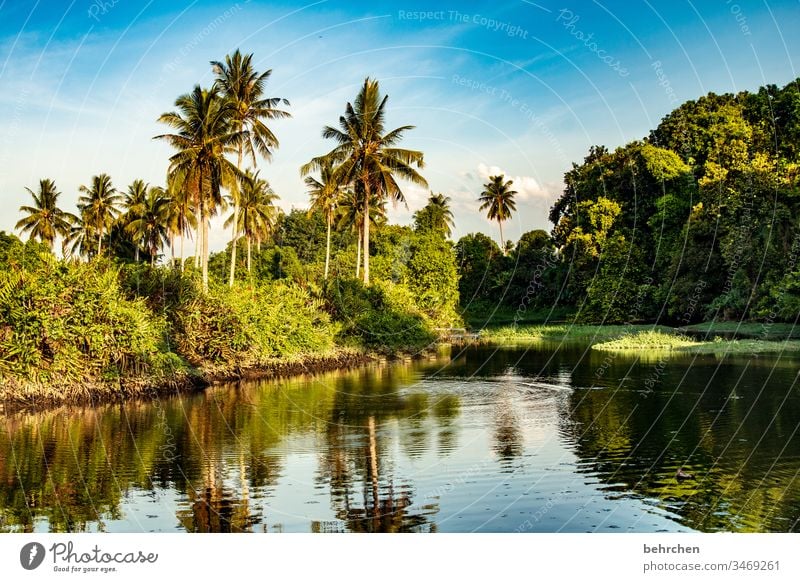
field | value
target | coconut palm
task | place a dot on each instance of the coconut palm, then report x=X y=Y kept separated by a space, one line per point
x=99 y=206
x=243 y=87
x=205 y=134
x=134 y=203
x=150 y=226
x=366 y=155
x=180 y=219
x=436 y=215
x=325 y=194
x=45 y=220
x=498 y=199
x=257 y=211
x=350 y=214
x=81 y=239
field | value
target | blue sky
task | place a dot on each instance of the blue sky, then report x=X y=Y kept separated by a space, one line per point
x=519 y=87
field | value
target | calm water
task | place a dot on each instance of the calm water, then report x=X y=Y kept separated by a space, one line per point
x=514 y=439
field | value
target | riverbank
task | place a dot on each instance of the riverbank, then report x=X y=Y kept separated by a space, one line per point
x=20 y=394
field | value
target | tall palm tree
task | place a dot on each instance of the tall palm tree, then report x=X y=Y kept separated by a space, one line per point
x=134 y=203
x=350 y=214
x=150 y=226
x=205 y=134
x=180 y=218
x=498 y=199
x=243 y=87
x=257 y=211
x=366 y=154
x=436 y=215
x=325 y=194
x=99 y=206
x=45 y=220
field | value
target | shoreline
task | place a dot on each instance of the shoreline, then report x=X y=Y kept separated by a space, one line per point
x=18 y=396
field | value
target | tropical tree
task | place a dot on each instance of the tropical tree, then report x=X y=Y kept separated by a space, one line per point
x=99 y=206
x=243 y=88
x=436 y=216
x=325 y=195
x=150 y=225
x=45 y=220
x=498 y=200
x=366 y=155
x=257 y=211
x=81 y=238
x=134 y=202
x=350 y=215
x=205 y=133
x=180 y=218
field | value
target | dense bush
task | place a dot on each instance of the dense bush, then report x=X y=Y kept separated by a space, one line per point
x=73 y=321
x=382 y=316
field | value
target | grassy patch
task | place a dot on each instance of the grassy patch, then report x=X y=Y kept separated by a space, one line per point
x=656 y=341
x=754 y=330
x=565 y=332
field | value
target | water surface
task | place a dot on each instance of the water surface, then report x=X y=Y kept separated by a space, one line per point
x=547 y=438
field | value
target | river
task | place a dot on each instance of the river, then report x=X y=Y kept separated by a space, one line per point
x=551 y=438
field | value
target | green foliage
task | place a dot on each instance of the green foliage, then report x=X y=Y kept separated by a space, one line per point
x=72 y=321
x=383 y=316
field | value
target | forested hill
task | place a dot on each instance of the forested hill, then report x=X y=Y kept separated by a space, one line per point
x=699 y=220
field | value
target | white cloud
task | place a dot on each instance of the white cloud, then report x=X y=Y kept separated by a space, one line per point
x=527 y=187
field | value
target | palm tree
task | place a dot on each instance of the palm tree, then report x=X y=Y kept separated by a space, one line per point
x=325 y=194
x=205 y=134
x=498 y=198
x=150 y=226
x=45 y=220
x=99 y=206
x=180 y=219
x=366 y=155
x=351 y=215
x=257 y=211
x=436 y=215
x=243 y=87
x=81 y=237
x=134 y=203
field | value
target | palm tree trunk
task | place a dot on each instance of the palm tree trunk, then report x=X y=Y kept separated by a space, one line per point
x=502 y=243
x=328 y=248
x=183 y=236
x=172 y=249
x=249 y=244
x=366 y=235
x=205 y=251
x=198 y=242
x=204 y=228
x=358 y=255
x=136 y=253
x=235 y=226
x=100 y=242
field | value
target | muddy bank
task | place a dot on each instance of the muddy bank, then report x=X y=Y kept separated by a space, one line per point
x=16 y=395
